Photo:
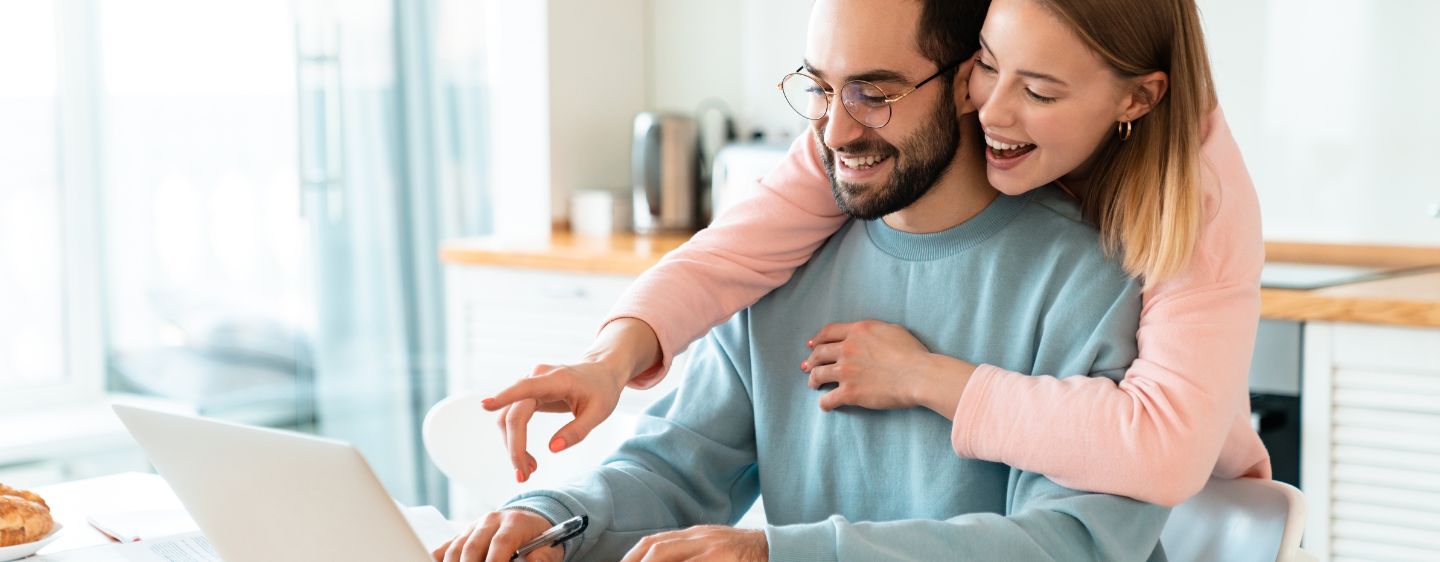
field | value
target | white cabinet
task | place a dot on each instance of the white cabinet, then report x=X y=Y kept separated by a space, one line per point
x=1370 y=465
x=503 y=322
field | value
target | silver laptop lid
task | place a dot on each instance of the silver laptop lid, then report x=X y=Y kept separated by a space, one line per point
x=263 y=495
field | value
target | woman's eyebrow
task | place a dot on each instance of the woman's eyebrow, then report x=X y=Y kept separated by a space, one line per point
x=1042 y=76
x=984 y=45
x=1026 y=73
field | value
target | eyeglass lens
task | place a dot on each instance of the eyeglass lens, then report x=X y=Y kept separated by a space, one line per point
x=862 y=100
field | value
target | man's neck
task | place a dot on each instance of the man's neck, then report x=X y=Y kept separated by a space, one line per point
x=960 y=193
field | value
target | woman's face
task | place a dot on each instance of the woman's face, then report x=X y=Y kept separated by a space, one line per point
x=1046 y=100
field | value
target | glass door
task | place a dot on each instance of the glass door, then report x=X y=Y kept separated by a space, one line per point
x=277 y=177
x=206 y=258
x=393 y=159
x=351 y=194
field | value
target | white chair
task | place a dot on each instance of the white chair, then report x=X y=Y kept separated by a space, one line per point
x=1238 y=520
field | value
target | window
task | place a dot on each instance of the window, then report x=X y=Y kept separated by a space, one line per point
x=32 y=242
x=204 y=242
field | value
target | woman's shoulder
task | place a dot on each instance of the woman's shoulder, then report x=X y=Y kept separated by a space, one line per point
x=1231 y=246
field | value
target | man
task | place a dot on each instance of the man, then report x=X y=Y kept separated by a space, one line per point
x=951 y=260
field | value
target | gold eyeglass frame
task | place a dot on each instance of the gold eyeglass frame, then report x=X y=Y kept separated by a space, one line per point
x=830 y=94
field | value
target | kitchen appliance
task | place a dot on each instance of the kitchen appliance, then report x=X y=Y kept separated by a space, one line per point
x=1275 y=394
x=737 y=168
x=665 y=172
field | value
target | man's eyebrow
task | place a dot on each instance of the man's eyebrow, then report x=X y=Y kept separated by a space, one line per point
x=1027 y=73
x=874 y=75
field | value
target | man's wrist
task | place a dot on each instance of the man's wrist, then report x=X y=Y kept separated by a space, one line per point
x=758 y=548
x=529 y=510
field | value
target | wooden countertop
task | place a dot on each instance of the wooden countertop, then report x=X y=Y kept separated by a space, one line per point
x=1407 y=300
x=621 y=254
x=1411 y=299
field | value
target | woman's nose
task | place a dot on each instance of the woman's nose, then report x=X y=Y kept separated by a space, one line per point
x=997 y=109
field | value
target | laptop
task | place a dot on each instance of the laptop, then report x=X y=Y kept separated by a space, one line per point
x=264 y=495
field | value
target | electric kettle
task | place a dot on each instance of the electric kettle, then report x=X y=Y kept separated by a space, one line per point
x=665 y=172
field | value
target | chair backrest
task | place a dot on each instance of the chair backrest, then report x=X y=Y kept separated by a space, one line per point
x=1240 y=520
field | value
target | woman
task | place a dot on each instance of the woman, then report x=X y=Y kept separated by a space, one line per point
x=1057 y=83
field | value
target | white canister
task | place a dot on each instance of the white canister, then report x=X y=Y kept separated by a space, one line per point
x=597 y=212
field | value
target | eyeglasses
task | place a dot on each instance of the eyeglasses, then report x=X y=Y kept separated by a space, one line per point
x=865 y=102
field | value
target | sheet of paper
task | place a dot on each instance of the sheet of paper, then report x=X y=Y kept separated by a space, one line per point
x=131 y=526
x=430 y=526
x=191 y=547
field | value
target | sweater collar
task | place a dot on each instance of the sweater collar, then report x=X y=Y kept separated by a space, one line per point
x=959 y=238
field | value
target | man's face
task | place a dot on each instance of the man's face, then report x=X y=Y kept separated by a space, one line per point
x=875 y=172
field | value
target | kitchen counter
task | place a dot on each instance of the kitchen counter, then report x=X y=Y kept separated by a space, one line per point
x=1410 y=299
x=621 y=254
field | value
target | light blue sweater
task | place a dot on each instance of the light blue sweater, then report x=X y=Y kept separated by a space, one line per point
x=1022 y=285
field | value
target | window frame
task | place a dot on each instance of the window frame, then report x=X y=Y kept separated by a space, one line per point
x=78 y=179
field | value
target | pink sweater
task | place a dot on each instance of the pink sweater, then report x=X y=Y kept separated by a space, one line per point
x=1180 y=414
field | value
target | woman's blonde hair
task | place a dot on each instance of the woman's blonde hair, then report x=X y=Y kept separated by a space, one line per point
x=1144 y=191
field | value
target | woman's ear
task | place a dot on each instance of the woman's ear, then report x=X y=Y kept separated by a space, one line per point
x=962 y=85
x=1146 y=91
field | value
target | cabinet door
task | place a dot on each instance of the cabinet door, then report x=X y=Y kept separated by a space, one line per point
x=1371 y=451
x=505 y=321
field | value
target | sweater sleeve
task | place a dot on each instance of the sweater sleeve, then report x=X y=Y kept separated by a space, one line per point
x=1044 y=522
x=1179 y=404
x=692 y=461
x=747 y=252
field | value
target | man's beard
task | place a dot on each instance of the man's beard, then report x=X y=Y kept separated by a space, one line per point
x=922 y=159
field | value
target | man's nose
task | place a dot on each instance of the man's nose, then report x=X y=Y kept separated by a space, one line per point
x=839 y=127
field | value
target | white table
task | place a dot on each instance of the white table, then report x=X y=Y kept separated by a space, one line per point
x=71 y=502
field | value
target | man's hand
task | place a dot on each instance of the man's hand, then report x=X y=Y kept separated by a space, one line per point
x=707 y=542
x=496 y=537
x=590 y=390
x=882 y=366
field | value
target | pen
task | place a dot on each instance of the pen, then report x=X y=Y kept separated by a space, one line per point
x=566 y=530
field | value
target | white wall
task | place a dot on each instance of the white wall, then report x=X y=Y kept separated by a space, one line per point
x=597 y=85
x=732 y=50
x=693 y=53
x=517 y=53
x=567 y=77
x=1332 y=101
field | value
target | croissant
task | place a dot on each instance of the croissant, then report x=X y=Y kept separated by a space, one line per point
x=24 y=517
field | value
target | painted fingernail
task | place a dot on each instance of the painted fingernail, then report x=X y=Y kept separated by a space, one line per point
x=519 y=476
x=557 y=444
x=804 y=365
x=810 y=343
x=488 y=402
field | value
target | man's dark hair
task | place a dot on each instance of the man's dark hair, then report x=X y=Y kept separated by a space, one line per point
x=950 y=29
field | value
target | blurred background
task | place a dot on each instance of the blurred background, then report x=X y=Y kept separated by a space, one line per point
x=238 y=207
x=233 y=206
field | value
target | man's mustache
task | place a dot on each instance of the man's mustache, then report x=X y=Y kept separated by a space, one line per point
x=866 y=147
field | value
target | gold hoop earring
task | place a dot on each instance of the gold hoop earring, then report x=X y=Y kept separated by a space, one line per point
x=1123 y=129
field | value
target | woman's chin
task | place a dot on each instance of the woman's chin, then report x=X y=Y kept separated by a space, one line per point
x=1008 y=184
